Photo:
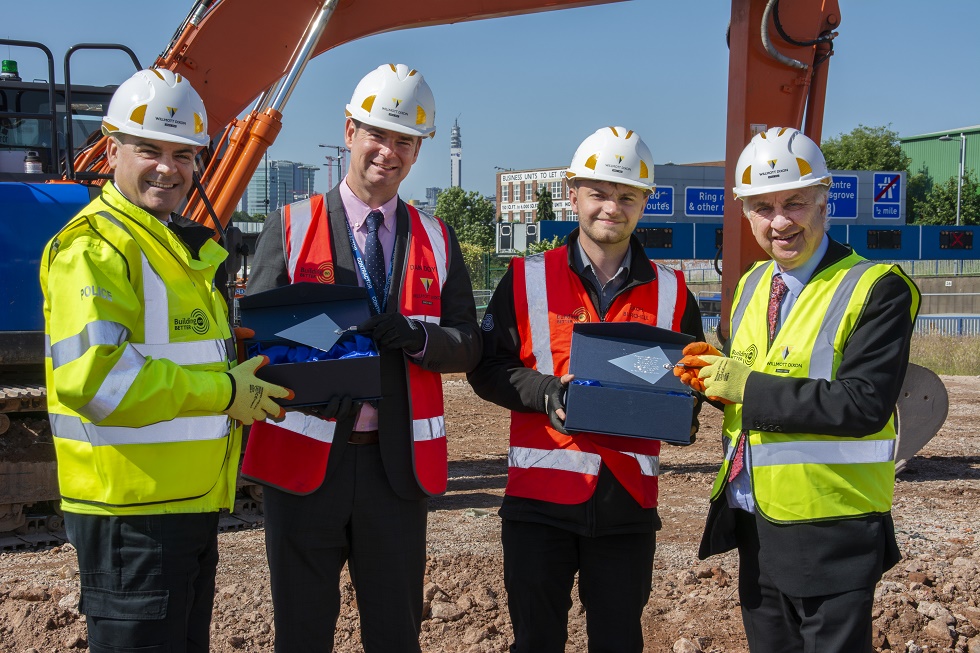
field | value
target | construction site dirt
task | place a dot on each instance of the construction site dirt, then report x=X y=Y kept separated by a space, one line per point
x=929 y=602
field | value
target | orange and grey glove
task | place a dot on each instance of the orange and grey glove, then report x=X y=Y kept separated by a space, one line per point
x=724 y=378
x=251 y=397
x=687 y=368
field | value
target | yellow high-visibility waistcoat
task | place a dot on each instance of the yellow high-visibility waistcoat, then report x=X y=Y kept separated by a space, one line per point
x=137 y=343
x=805 y=477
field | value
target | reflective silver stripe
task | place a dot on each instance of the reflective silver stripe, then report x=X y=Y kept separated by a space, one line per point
x=822 y=356
x=47 y=346
x=438 y=241
x=748 y=289
x=567 y=460
x=844 y=452
x=98 y=332
x=432 y=428
x=666 y=296
x=300 y=219
x=649 y=465
x=156 y=310
x=308 y=426
x=197 y=352
x=180 y=429
x=114 y=386
x=537 y=311
x=425 y=318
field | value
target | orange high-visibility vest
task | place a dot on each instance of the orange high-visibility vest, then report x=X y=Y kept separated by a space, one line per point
x=549 y=299
x=292 y=455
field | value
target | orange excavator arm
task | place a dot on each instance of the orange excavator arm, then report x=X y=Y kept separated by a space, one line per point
x=779 y=55
x=234 y=51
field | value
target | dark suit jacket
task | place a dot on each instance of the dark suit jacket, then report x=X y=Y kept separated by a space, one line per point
x=817 y=559
x=452 y=346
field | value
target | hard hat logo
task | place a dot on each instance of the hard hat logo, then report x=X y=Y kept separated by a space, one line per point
x=777 y=160
x=402 y=85
x=614 y=154
x=146 y=105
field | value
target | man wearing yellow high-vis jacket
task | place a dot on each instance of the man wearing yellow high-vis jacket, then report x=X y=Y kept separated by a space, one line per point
x=818 y=352
x=144 y=398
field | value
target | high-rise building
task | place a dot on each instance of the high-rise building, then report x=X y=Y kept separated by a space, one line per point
x=276 y=183
x=456 y=156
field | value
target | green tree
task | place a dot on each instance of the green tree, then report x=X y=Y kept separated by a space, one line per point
x=939 y=204
x=242 y=216
x=470 y=214
x=546 y=207
x=545 y=245
x=866 y=148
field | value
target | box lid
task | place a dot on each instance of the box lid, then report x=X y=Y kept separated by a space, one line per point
x=627 y=354
x=271 y=312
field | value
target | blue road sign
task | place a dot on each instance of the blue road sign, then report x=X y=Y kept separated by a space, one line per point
x=704 y=202
x=887 y=198
x=842 y=200
x=660 y=202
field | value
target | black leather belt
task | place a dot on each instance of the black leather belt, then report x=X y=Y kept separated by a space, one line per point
x=363 y=437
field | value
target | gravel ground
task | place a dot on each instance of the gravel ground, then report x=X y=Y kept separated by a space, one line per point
x=929 y=602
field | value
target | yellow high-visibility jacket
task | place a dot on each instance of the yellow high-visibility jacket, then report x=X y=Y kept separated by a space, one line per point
x=137 y=343
x=806 y=477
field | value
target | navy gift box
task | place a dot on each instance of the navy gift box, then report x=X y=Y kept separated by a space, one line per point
x=309 y=306
x=629 y=384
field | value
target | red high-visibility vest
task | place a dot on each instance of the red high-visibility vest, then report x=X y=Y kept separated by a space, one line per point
x=549 y=299
x=292 y=455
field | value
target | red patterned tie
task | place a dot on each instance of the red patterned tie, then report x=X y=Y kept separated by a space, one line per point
x=737 y=460
x=776 y=293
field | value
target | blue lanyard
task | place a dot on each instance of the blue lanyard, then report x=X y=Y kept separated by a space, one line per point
x=379 y=306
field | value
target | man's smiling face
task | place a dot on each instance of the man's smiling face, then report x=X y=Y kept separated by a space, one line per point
x=154 y=175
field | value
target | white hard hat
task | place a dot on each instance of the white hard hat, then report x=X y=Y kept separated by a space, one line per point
x=159 y=105
x=614 y=154
x=395 y=97
x=779 y=159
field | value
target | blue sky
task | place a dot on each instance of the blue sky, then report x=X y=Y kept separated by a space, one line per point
x=657 y=67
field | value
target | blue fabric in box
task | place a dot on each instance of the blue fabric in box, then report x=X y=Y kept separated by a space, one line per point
x=350 y=367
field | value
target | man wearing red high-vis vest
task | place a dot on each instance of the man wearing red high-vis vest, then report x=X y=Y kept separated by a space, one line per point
x=348 y=482
x=580 y=502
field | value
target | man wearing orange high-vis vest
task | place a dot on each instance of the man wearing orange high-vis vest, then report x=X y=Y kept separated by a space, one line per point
x=818 y=352
x=348 y=482
x=579 y=502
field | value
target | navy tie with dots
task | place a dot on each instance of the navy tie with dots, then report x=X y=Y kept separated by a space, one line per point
x=374 y=258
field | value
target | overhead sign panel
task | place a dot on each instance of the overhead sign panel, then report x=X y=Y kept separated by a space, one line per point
x=660 y=202
x=842 y=200
x=887 y=198
x=704 y=202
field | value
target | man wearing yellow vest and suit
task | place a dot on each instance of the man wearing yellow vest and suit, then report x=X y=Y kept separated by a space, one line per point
x=143 y=391
x=579 y=502
x=818 y=352
x=350 y=483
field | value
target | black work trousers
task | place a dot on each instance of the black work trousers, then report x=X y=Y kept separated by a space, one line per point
x=147 y=581
x=615 y=574
x=777 y=623
x=354 y=517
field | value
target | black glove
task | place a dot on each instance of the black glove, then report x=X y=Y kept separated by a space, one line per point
x=339 y=408
x=554 y=399
x=394 y=331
